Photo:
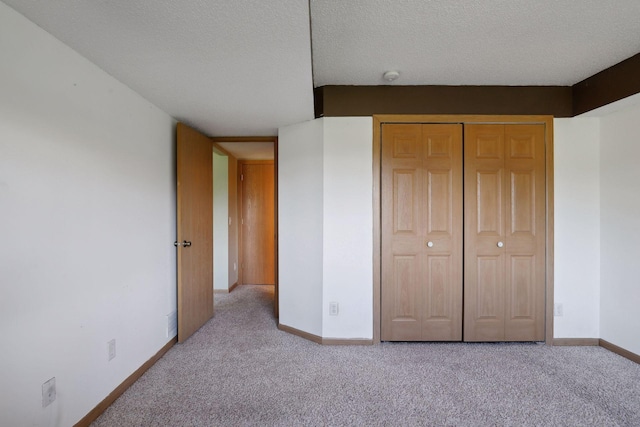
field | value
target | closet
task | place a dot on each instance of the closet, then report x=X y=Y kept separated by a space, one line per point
x=462 y=231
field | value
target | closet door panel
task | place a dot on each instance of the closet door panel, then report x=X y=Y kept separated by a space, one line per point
x=421 y=295
x=488 y=298
x=489 y=203
x=439 y=204
x=406 y=201
x=525 y=238
x=505 y=232
x=442 y=245
x=485 y=198
x=402 y=263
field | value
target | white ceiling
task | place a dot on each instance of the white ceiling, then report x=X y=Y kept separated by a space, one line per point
x=471 y=42
x=243 y=67
x=238 y=67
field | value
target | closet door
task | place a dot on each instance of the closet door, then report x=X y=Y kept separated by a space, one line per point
x=504 y=272
x=421 y=232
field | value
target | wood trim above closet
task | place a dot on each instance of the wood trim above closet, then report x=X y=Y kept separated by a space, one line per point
x=607 y=86
x=339 y=101
x=612 y=84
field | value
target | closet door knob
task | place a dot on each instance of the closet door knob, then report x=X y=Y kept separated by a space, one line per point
x=500 y=244
x=430 y=244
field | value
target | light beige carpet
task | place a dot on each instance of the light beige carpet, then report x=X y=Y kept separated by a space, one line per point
x=240 y=370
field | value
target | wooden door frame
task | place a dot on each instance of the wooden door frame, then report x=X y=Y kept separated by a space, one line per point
x=380 y=119
x=248 y=139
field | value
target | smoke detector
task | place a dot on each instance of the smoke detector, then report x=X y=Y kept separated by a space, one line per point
x=391 y=75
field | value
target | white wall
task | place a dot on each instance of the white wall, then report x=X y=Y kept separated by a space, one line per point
x=326 y=226
x=577 y=227
x=220 y=222
x=87 y=218
x=300 y=225
x=348 y=227
x=620 y=228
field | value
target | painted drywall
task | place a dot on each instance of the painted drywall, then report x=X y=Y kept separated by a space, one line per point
x=325 y=226
x=620 y=228
x=87 y=196
x=220 y=222
x=577 y=227
x=300 y=225
x=348 y=227
x=233 y=217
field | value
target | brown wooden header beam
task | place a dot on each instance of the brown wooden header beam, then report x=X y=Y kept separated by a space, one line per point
x=504 y=100
x=614 y=83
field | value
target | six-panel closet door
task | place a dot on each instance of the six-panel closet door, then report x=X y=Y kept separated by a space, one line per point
x=421 y=232
x=504 y=245
x=428 y=293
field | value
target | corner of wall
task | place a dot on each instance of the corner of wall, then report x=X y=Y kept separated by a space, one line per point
x=620 y=228
x=577 y=227
x=347 y=228
x=300 y=225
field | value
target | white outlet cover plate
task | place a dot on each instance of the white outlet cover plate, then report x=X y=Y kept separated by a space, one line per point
x=48 y=392
x=112 y=349
x=333 y=309
x=558 y=310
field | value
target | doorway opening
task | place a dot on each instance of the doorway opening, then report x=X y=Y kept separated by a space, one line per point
x=245 y=213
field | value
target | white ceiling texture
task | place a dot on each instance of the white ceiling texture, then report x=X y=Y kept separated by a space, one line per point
x=244 y=67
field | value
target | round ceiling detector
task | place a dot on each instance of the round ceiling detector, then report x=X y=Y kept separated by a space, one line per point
x=391 y=75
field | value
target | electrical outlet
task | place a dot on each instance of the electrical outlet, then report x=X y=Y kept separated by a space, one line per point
x=111 y=348
x=172 y=324
x=48 y=392
x=558 y=310
x=333 y=309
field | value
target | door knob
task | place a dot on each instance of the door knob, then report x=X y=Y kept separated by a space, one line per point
x=500 y=244
x=430 y=244
x=186 y=243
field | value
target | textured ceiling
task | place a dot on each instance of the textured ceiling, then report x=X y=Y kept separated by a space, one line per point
x=239 y=67
x=470 y=42
x=243 y=67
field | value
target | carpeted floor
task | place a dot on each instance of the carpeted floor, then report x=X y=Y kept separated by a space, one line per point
x=240 y=370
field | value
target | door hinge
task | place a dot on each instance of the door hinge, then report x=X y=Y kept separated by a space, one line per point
x=241 y=177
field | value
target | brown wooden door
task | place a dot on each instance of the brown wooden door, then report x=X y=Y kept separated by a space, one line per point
x=421 y=295
x=257 y=223
x=194 y=226
x=504 y=273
